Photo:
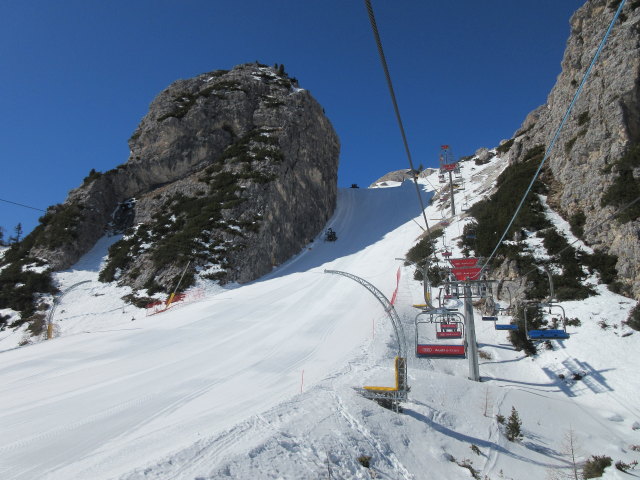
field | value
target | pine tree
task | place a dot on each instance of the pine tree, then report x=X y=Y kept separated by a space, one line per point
x=281 y=70
x=514 y=424
x=18 y=231
x=1 y=237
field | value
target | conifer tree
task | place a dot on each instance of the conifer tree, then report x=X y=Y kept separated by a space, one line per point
x=18 y=231
x=514 y=424
x=1 y=237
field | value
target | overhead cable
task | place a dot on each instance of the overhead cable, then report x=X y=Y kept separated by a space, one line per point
x=558 y=130
x=383 y=60
x=22 y=205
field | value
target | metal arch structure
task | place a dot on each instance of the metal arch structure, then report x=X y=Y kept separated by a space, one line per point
x=391 y=312
x=56 y=301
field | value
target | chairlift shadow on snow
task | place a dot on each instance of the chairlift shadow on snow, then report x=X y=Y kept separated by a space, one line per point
x=558 y=382
x=363 y=217
x=588 y=377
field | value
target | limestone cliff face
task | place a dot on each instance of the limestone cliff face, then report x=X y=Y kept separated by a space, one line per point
x=234 y=170
x=604 y=125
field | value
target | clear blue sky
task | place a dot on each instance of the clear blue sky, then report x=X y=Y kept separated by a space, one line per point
x=78 y=75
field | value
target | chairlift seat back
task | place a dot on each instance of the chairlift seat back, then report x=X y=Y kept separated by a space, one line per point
x=489 y=318
x=449 y=326
x=450 y=351
x=507 y=326
x=542 y=334
x=449 y=334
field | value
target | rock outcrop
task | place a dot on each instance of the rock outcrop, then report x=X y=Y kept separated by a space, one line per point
x=604 y=125
x=234 y=171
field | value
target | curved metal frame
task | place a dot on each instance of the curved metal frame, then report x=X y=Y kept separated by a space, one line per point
x=391 y=312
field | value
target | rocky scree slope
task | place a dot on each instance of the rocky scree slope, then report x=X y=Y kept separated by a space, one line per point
x=595 y=165
x=234 y=170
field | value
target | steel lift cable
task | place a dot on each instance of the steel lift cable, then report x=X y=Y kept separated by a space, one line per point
x=383 y=60
x=558 y=130
x=22 y=205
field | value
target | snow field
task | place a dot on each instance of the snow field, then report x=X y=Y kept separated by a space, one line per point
x=213 y=389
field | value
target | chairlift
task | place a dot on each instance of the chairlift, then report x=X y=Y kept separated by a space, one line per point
x=506 y=310
x=449 y=330
x=450 y=291
x=442 y=317
x=548 y=333
x=559 y=317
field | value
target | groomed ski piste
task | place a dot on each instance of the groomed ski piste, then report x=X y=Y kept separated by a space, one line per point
x=257 y=381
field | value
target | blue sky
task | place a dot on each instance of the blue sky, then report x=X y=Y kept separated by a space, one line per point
x=78 y=75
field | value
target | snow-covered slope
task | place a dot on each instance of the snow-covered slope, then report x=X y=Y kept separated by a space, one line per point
x=256 y=381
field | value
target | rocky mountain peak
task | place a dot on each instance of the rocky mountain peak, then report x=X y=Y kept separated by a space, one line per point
x=233 y=171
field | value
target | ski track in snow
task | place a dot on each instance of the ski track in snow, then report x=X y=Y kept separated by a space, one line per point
x=213 y=388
